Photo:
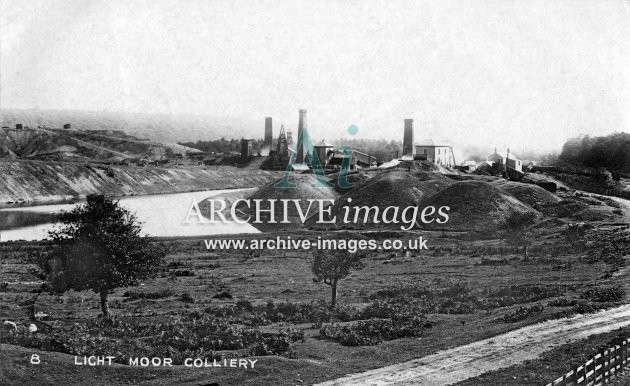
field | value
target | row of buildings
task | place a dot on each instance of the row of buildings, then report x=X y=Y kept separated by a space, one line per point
x=331 y=157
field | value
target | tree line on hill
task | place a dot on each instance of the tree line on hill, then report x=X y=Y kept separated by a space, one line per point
x=611 y=152
x=221 y=145
x=382 y=149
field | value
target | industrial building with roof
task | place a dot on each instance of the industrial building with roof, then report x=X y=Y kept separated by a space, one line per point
x=438 y=153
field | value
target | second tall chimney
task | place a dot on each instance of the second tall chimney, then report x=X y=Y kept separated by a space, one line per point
x=301 y=126
x=268 y=133
x=408 y=138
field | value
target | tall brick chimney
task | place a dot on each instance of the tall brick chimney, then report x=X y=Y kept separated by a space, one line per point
x=408 y=138
x=301 y=125
x=268 y=133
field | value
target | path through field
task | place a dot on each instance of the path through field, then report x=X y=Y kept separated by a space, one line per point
x=460 y=363
x=625 y=206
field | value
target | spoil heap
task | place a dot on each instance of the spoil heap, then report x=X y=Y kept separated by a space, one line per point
x=303 y=191
x=394 y=187
x=532 y=195
x=475 y=205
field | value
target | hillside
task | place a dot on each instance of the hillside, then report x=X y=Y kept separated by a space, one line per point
x=38 y=182
x=158 y=127
x=81 y=145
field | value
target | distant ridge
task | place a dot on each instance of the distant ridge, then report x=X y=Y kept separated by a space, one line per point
x=157 y=127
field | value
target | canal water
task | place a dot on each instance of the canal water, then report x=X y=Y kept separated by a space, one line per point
x=161 y=215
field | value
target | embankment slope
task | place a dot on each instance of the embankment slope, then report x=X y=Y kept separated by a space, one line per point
x=33 y=182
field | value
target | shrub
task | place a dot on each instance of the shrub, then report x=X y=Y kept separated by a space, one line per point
x=223 y=295
x=276 y=344
x=604 y=294
x=183 y=272
x=562 y=302
x=245 y=305
x=585 y=307
x=522 y=313
x=374 y=331
x=186 y=298
x=178 y=338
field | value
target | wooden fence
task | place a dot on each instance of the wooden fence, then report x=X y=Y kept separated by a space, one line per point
x=599 y=369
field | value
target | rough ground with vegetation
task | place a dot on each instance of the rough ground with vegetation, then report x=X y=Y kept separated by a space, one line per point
x=222 y=304
x=473 y=283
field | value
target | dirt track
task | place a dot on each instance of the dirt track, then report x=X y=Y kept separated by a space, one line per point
x=460 y=363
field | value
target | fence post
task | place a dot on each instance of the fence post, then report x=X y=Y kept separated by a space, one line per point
x=583 y=372
x=606 y=366
x=595 y=370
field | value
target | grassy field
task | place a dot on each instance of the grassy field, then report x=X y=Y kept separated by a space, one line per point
x=227 y=304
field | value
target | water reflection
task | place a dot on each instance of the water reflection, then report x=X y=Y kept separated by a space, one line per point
x=161 y=215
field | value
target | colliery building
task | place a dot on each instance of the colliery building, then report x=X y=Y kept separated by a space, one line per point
x=439 y=154
x=427 y=149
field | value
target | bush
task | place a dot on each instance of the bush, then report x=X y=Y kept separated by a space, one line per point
x=276 y=344
x=245 y=305
x=186 y=298
x=604 y=294
x=562 y=302
x=374 y=331
x=494 y=262
x=522 y=313
x=183 y=272
x=588 y=307
x=223 y=295
x=179 y=338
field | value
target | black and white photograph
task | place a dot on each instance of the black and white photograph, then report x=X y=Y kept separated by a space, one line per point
x=321 y=192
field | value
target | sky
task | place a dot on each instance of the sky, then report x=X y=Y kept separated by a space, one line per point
x=527 y=74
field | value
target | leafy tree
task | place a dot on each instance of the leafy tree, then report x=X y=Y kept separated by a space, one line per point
x=611 y=152
x=99 y=247
x=576 y=234
x=518 y=230
x=330 y=266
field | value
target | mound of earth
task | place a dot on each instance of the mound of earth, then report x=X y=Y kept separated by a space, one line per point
x=475 y=205
x=394 y=187
x=397 y=187
x=587 y=208
x=355 y=178
x=532 y=195
x=419 y=165
x=303 y=191
x=598 y=213
x=471 y=177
